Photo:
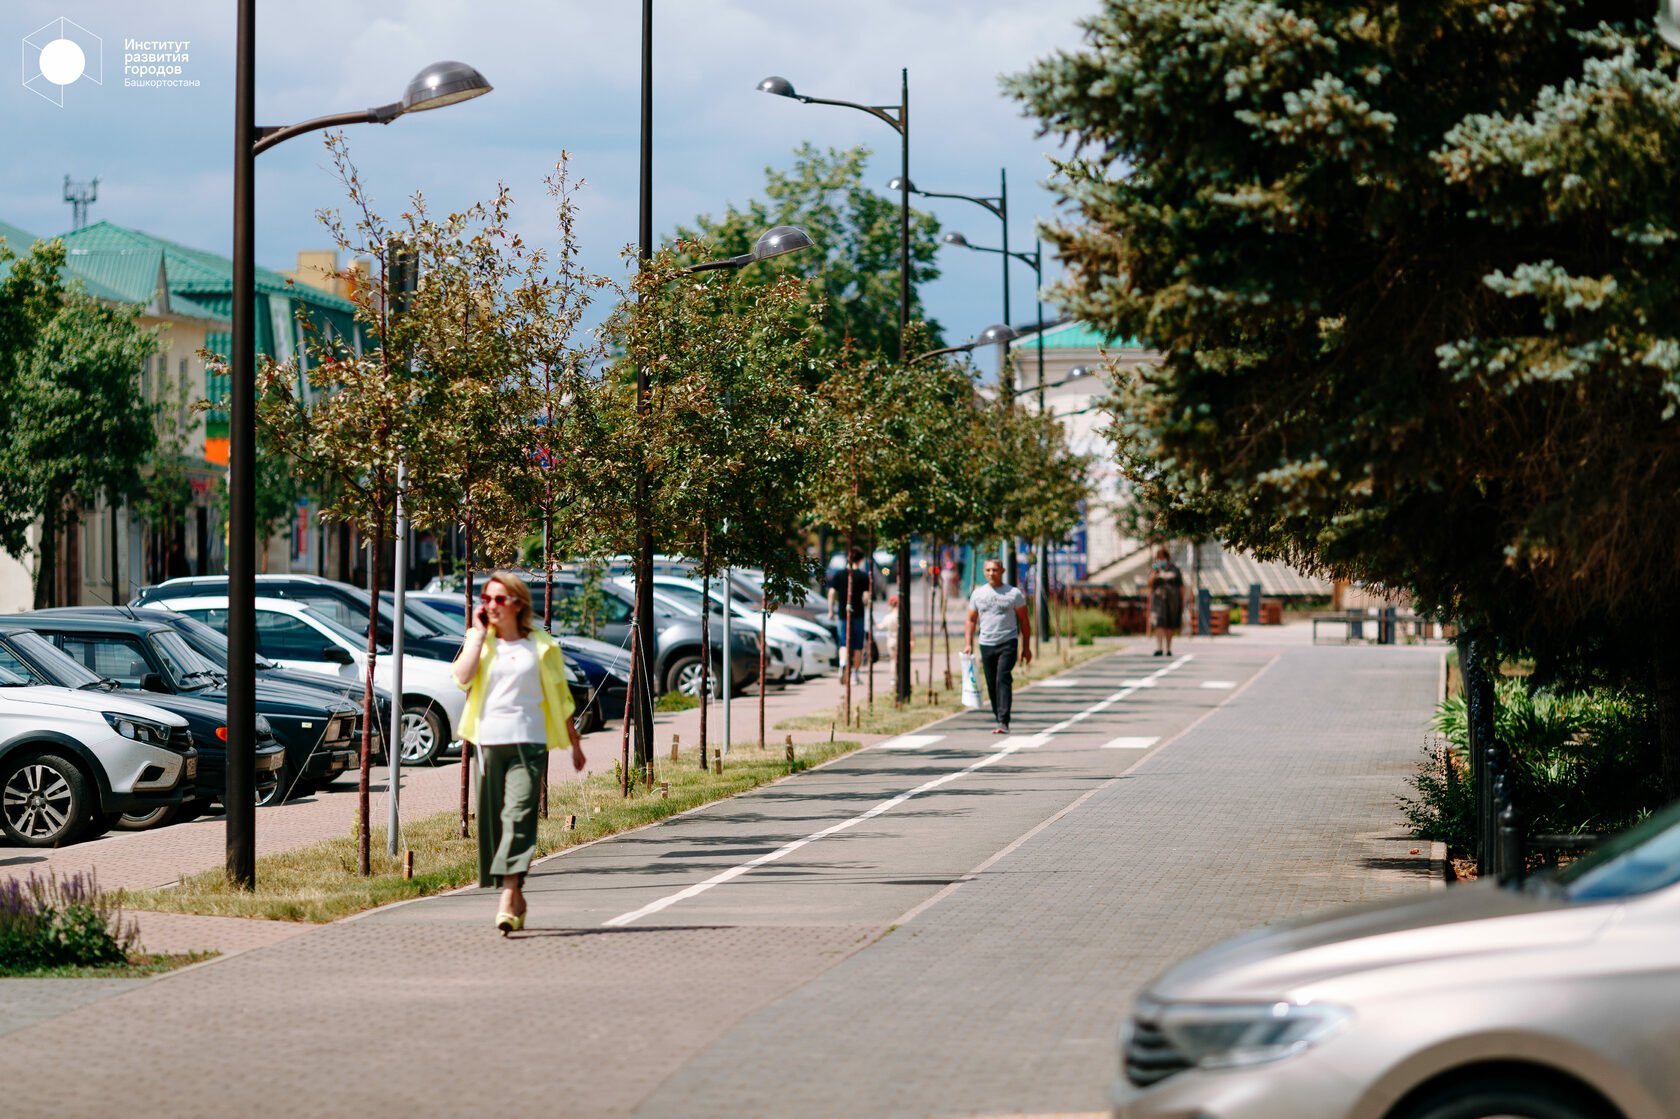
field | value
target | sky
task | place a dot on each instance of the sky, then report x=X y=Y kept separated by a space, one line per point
x=566 y=76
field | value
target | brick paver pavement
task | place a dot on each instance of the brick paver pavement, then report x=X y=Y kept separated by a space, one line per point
x=781 y=991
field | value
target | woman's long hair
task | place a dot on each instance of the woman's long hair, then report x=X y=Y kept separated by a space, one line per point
x=520 y=593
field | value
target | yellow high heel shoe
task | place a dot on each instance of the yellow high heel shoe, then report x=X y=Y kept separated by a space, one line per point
x=510 y=922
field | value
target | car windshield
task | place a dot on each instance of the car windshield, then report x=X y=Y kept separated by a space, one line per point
x=357 y=640
x=1646 y=857
x=10 y=679
x=688 y=596
x=188 y=670
x=64 y=669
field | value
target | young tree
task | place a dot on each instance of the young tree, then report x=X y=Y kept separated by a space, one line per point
x=1410 y=271
x=727 y=436
x=77 y=426
x=853 y=271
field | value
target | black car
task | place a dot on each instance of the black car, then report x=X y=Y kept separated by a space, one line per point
x=211 y=644
x=38 y=660
x=343 y=603
x=317 y=732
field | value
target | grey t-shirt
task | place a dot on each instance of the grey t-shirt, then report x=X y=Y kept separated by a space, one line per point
x=998 y=623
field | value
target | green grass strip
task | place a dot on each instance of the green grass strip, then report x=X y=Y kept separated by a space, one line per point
x=319 y=882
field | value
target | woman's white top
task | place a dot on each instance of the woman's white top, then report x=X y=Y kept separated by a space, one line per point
x=513 y=705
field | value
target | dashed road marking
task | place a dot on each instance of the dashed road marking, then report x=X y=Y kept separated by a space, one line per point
x=910 y=742
x=1220 y=685
x=1130 y=743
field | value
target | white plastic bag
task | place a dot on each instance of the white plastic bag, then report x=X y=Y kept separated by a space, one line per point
x=970 y=682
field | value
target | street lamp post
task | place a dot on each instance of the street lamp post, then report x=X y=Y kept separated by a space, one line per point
x=442 y=83
x=999 y=206
x=646 y=635
x=898 y=118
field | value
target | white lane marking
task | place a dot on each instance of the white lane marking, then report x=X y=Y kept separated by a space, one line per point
x=1023 y=741
x=1059 y=682
x=1221 y=685
x=910 y=742
x=887 y=805
x=1130 y=743
x=1145 y=683
x=1130 y=687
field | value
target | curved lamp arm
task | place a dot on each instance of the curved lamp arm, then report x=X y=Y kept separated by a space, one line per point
x=271 y=135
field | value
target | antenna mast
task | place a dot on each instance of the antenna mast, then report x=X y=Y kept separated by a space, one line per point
x=80 y=196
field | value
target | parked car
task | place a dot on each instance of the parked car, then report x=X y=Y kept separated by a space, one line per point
x=605 y=670
x=213 y=647
x=144 y=653
x=808 y=648
x=677 y=655
x=780 y=657
x=72 y=762
x=296 y=636
x=41 y=660
x=1556 y=1000
x=343 y=603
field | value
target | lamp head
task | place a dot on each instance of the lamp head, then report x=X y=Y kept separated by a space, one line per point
x=1668 y=25
x=997 y=332
x=443 y=83
x=781 y=239
x=956 y=239
x=781 y=87
x=1077 y=372
x=899 y=182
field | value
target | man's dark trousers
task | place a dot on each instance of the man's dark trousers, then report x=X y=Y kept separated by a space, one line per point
x=998 y=663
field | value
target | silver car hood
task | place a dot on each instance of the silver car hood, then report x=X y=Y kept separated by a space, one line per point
x=1462 y=921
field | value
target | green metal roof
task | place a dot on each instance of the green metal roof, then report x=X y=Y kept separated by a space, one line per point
x=20 y=242
x=194 y=271
x=1076 y=336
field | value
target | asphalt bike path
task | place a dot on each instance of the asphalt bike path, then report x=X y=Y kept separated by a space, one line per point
x=871 y=835
x=948 y=923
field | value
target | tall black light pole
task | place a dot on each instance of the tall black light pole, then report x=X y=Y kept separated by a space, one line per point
x=442 y=83
x=898 y=117
x=998 y=204
x=646 y=636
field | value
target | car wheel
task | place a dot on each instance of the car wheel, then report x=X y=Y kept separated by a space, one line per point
x=147 y=818
x=276 y=793
x=1504 y=1097
x=590 y=719
x=43 y=800
x=684 y=676
x=424 y=734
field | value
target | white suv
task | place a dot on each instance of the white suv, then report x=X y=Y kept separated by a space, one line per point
x=71 y=762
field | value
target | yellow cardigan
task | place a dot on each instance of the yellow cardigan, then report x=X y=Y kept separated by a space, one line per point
x=557 y=702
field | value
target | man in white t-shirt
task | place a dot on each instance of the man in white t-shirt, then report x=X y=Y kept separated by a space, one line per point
x=998 y=615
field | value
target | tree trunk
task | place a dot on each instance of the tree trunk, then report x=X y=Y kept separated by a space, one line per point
x=46 y=574
x=705 y=636
x=1666 y=691
x=362 y=831
x=848 y=664
x=764 y=628
x=933 y=591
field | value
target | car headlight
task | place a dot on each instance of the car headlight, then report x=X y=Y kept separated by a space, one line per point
x=140 y=730
x=1232 y=1035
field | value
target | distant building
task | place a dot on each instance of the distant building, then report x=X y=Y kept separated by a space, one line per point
x=187 y=294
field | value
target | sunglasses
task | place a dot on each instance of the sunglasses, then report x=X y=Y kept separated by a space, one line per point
x=498 y=599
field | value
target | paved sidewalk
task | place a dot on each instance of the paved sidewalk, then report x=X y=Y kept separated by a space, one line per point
x=1143 y=809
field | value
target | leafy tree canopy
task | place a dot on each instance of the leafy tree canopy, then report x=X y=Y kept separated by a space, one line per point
x=853 y=269
x=1412 y=270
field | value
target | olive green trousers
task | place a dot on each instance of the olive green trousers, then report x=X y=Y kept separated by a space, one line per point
x=507 y=809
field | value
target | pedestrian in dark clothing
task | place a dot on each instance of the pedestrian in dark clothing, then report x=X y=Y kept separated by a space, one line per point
x=998 y=616
x=1166 y=602
x=848 y=610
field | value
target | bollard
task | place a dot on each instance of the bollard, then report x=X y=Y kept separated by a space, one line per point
x=408 y=863
x=790 y=749
x=717 y=765
x=664 y=790
x=571 y=823
x=790 y=742
x=676 y=744
x=648 y=773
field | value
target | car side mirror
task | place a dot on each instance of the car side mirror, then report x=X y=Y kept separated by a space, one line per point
x=333 y=654
x=152 y=682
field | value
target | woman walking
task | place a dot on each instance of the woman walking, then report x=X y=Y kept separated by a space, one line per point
x=518 y=707
x=1166 y=602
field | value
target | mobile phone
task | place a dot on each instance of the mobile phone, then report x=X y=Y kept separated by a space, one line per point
x=483 y=618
